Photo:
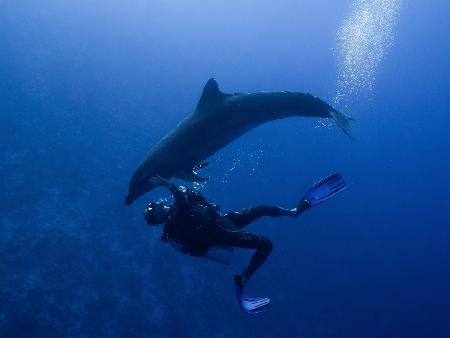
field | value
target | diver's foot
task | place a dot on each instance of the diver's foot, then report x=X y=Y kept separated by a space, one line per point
x=303 y=205
x=241 y=281
x=293 y=212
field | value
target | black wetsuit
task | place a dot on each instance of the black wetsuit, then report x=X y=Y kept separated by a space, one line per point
x=197 y=225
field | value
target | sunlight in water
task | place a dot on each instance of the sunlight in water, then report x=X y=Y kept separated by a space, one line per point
x=362 y=42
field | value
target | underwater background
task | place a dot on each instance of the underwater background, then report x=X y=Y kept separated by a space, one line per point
x=88 y=87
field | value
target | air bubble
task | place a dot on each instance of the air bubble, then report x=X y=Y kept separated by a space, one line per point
x=362 y=42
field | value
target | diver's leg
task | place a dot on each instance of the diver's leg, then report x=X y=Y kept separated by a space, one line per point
x=263 y=250
x=246 y=240
x=244 y=217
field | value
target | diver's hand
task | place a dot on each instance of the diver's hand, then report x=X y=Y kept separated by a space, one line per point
x=159 y=181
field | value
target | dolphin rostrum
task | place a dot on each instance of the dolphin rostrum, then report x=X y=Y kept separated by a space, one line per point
x=218 y=120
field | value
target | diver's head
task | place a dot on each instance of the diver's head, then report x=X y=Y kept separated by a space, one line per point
x=157 y=212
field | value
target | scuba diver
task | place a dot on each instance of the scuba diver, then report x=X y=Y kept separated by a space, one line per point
x=195 y=226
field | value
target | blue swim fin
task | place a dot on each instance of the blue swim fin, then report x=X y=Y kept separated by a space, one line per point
x=248 y=304
x=321 y=191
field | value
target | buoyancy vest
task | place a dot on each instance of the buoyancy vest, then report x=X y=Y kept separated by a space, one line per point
x=190 y=226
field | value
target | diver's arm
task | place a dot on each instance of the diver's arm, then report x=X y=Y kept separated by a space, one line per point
x=179 y=196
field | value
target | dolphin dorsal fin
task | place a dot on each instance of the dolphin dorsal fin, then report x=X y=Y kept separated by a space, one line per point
x=211 y=94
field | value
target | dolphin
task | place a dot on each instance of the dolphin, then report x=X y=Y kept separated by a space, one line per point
x=218 y=120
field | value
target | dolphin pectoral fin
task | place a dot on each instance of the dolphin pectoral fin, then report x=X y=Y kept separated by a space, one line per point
x=200 y=166
x=190 y=176
x=342 y=121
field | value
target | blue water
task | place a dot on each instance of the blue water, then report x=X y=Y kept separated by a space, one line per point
x=87 y=88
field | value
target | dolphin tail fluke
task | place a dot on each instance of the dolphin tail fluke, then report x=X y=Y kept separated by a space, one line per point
x=342 y=121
